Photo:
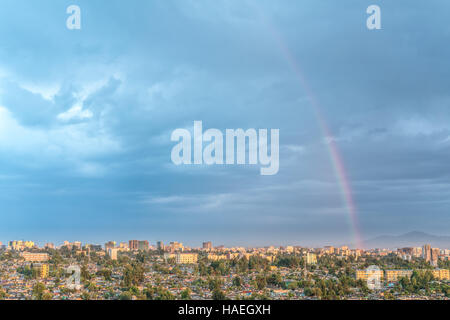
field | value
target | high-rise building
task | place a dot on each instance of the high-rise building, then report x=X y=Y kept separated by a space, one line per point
x=112 y=253
x=143 y=245
x=329 y=249
x=407 y=251
x=344 y=251
x=160 y=245
x=435 y=256
x=123 y=245
x=110 y=245
x=417 y=252
x=49 y=246
x=44 y=271
x=94 y=247
x=133 y=244
x=41 y=269
x=311 y=258
x=21 y=245
x=426 y=253
x=139 y=245
x=176 y=246
x=207 y=245
x=289 y=249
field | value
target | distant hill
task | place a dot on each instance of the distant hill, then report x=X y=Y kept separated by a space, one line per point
x=410 y=239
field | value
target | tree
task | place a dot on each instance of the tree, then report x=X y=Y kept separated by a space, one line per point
x=2 y=293
x=289 y=261
x=47 y=296
x=260 y=282
x=85 y=296
x=186 y=294
x=308 y=292
x=149 y=293
x=237 y=281
x=388 y=296
x=105 y=273
x=214 y=284
x=135 y=291
x=38 y=291
x=92 y=287
x=141 y=257
x=85 y=275
x=218 y=294
x=125 y=295
x=202 y=269
x=242 y=265
x=293 y=286
x=26 y=271
x=158 y=293
x=108 y=295
x=274 y=279
x=164 y=294
x=133 y=274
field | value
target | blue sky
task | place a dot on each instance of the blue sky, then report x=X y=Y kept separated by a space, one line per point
x=86 y=117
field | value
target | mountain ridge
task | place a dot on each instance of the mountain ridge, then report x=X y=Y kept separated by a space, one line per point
x=409 y=239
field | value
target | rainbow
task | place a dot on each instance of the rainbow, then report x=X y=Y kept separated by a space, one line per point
x=335 y=156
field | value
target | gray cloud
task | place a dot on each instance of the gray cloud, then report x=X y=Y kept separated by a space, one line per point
x=87 y=117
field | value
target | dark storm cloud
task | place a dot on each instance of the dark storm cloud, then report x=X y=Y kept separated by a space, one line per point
x=86 y=118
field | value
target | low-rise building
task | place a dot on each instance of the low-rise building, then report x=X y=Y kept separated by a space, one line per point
x=35 y=257
x=186 y=258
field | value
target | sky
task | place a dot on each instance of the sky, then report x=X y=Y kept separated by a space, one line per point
x=86 y=118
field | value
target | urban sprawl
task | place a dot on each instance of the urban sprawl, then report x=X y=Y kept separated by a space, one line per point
x=137 y=270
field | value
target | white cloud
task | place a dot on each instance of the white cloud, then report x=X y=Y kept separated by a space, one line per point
x=75 y=113
x=47 y=92
x=71 y=143
x=91 y=169
x=295 y=148
x=419 y=126
x=193 y=203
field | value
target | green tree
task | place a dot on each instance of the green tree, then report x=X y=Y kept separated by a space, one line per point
x=2 y=293
x=38 y=291
x=237 y=281
x=218 y=295
x=274 y=279
x=215 y=283
x=260 y=282
x=85 y=275
x=125 y=295
x=85 y=296
x=186 y=294
x=133 y=274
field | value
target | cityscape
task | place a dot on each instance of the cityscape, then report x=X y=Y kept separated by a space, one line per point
x=138 y=270
x=217 y=153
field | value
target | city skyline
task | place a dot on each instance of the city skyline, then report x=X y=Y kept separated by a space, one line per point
x=409 y=241
x=137 y=271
